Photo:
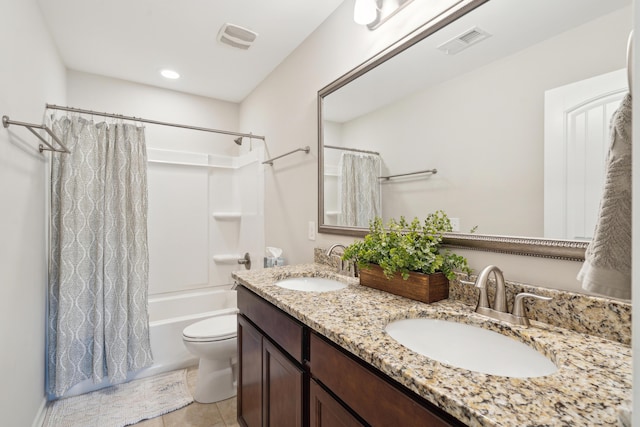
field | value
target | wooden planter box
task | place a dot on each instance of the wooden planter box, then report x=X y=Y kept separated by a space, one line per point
x=421 y=287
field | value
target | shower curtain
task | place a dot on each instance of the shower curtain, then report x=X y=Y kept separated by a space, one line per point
x=360 y=189
x=98 y=322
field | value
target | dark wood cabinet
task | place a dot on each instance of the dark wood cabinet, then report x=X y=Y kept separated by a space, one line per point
x=282 y=387
x=271 y=380
x=325 y=411
x=376 y=399
x=249 y=374
x=290 y=376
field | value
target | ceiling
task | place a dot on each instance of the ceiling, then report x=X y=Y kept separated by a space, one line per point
x=134 y=40
x=424 y=65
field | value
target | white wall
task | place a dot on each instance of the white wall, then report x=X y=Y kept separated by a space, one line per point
x=31 y=74
x=284 y=109
x=635 y=249
x=105 y=94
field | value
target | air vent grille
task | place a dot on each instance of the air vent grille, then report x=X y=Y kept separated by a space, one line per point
x=471 y=36
x=463 y=41
x=236 y=36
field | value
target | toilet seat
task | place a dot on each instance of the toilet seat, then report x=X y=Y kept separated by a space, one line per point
x=213 y=329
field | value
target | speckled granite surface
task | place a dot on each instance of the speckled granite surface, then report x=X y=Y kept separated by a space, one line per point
x=604 y=317
x=593 y=378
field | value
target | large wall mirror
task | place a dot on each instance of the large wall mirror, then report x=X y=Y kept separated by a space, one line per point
x=496 y=113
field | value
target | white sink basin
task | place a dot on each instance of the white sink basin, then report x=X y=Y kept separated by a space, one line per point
x=311 y=284
x=470 y=347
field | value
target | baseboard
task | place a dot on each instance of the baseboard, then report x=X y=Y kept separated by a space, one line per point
x=42 y=411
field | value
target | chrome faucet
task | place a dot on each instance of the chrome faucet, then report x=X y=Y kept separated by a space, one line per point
x=330 y=252
x=499 y=310
x=500 y=297
x=337 y=245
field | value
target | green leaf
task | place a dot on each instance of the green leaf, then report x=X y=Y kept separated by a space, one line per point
x=403 y=246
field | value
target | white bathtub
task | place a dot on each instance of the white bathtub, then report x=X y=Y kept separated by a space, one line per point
x=169 y=314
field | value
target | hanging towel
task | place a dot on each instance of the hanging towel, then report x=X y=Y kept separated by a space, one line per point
x=625 y=413
x=607 y=266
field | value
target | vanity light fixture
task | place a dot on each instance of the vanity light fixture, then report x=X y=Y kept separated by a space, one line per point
x=374 y=13
x=365 y=11
x=169 y=74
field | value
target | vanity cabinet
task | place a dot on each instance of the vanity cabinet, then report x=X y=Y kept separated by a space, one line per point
x=289 y=375
x=374 y=397
x=271 y=378
x=326 y=411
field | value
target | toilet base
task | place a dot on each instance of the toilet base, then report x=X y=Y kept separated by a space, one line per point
x=215 y=381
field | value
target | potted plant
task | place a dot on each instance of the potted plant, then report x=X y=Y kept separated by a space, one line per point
x=407 y=258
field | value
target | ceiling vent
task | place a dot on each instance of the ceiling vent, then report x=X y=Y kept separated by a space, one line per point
x=463 y=41
x=236 y=36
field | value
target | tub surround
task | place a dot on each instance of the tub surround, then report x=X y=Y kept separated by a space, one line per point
x=594 y=358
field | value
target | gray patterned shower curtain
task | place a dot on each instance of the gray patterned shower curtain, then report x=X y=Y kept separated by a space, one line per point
x=98 y=322
x=360 y=197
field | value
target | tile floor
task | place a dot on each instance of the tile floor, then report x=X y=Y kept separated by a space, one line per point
x=220 y=414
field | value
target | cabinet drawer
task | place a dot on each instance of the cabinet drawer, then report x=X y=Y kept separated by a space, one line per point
x=279 y=326
x=373 y=398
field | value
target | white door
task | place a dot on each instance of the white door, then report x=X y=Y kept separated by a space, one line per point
x=576 y=142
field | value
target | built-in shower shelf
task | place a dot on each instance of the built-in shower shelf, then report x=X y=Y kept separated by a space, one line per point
x=227 y=216
x=227 y=258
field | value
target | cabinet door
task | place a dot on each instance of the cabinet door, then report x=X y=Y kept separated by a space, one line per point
x=249 y=374
x=325 y=411
x=283 y=382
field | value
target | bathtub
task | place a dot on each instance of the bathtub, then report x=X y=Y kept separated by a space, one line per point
x=169 y=314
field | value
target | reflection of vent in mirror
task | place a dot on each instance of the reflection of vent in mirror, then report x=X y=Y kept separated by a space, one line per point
x=236 y=36
x=463 y=41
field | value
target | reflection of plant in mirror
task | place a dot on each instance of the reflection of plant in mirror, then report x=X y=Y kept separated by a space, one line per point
x=404 y=247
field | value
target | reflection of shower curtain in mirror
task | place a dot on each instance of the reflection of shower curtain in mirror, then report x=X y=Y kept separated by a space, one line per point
x=360 y=189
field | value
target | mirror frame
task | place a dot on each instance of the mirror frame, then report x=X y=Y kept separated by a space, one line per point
x=572 y=250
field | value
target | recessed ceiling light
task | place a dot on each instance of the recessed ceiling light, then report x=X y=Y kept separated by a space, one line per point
x=170 y=74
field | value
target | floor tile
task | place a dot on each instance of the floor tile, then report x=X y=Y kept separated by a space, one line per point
x=229 y=411
x=192 y=375
x=220 y=414
x=195 y=415
x=153 y=422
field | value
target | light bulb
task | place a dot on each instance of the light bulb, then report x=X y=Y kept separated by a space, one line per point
x=365 y=12
x=169 y=74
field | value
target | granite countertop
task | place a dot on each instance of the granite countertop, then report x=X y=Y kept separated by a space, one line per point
x=593 y=379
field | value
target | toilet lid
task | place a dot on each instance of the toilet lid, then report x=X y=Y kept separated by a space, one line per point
x=213 y=329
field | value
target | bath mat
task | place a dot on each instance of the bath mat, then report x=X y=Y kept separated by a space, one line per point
x=122 y=404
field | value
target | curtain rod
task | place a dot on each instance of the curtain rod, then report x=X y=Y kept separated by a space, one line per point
x=357 y=150
x=6 y=121
x=270 y=161
x=155 y=122
x=429 y=171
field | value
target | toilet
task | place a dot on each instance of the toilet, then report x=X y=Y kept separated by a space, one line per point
x=215 y=342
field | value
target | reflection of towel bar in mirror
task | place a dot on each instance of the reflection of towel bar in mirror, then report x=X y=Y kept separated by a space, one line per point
x=6 y=122
x=429 y=171
x=357 y=150
x=270 y=161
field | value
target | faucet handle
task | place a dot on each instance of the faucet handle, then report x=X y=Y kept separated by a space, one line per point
x=518 y=304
